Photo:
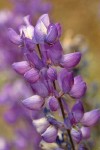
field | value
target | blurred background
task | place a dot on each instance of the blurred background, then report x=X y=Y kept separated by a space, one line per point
x=80 y=20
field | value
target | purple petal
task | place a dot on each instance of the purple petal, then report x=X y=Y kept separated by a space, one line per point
x=76 y=135
x=52 y=34
x=40 y=89
x=50 y=134
x=71 y=60
x=78 y=111
x=34 y=102
x=58 y=26
x=85 y=132
x=53 y=104
x=35 y=60
x=65 y=80
x=54 y=52
x=78 y=89
x=14 y=37
x=52 y=73
x=91 y=118
x=32 y=75
x=21 y=67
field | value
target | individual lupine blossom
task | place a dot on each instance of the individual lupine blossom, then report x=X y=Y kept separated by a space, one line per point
x=49 y=73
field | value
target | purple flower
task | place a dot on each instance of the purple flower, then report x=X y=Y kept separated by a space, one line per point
x=77 y=112
x=34 y=102
x=32 y=75
x=52 y=34
x=54 y=52
x=46 y=32
x=21 y=67
x=65 y=80
x=53 y=103
x=79 y=88
x=85 y=132
x=76 y=135
x=50 y=134
x=90 y=118
x=14 y=37
x=70 y=60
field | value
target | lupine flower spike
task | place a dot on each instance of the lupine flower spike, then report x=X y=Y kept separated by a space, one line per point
x=49 y=73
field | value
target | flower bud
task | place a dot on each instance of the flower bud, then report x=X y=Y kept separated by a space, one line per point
x=34 y=102
x=53 y=104
x=90 y=118
x=71 y=60
x=52 y=73
x=50 y=134
x=41 y=124
x=21 y=67
x=32 y=75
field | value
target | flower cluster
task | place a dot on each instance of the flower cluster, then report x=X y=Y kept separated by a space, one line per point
x=49 y=73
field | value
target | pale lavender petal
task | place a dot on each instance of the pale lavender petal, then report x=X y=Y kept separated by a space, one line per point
x=76 y=135
x=34 y=102
x=91 y=118
x=71 y=60
x=32 y=75
x=53 y=104
x=45 y=19
x=50 y=134
x=85 y=132
x=41 y=124
x=21 y=67
x=14 y=37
